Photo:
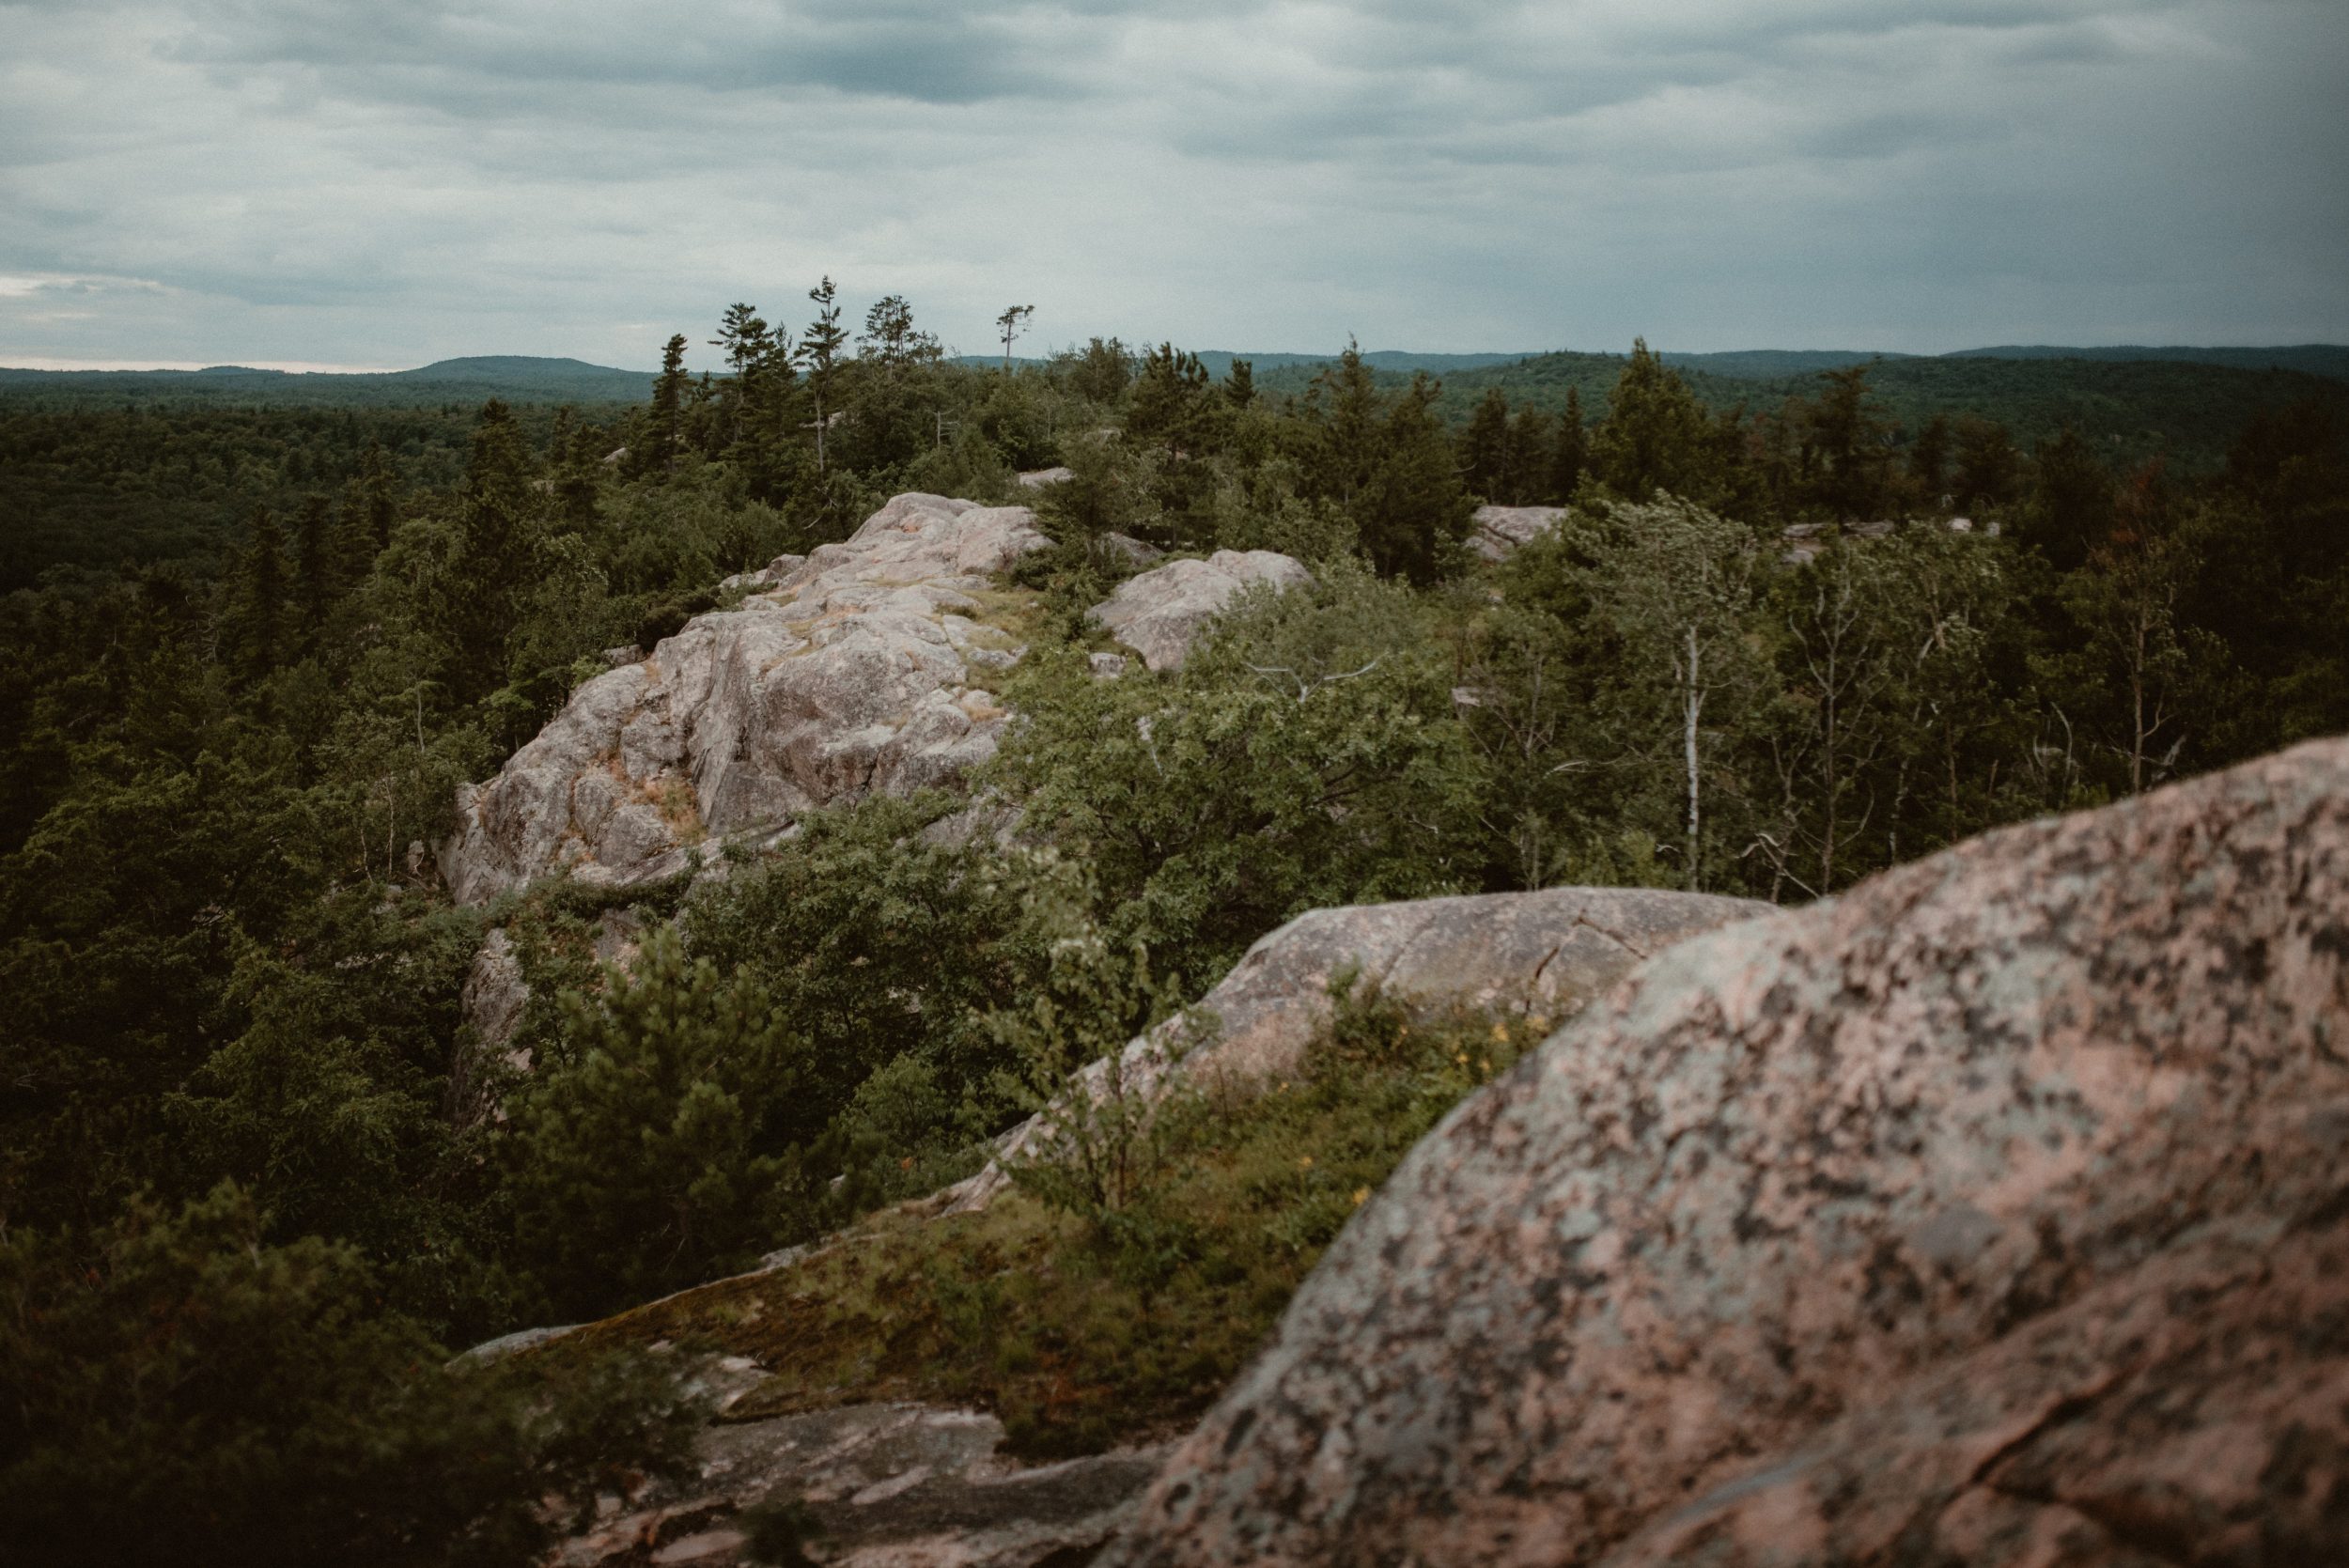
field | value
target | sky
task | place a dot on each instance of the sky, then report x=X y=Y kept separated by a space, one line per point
x=310 y=184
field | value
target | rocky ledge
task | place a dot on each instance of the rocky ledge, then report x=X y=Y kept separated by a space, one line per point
x=891 y=1480
x=1996 y=1212
x=856 y=673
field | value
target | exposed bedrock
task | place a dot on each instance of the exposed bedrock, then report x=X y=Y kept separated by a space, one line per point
x=1544 y=953
x=854 y=674
x=1994 y=1212
x=1496 y=533
x=1159 y=612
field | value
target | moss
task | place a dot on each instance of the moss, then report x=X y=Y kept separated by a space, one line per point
x=1083 y=1333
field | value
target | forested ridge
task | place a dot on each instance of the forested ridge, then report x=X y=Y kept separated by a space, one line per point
x=250 y=652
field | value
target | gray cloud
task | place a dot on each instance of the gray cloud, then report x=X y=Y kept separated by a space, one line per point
x=374 y=183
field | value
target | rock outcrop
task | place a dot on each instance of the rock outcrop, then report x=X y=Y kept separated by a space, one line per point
x=1994 y=1212
x=492 y=1002
x=1159 y=613
x=853 y=674
x=896 y=1483
x=883 y=1485
x=1497 y=532
x=1541 y=953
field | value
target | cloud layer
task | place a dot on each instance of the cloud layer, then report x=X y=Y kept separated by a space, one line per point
x=304 y=181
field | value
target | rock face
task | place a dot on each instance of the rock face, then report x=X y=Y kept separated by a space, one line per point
x=493 y=1001
x=1990 y=1213
x=1496 y=532
x=1159 y=612
x=852 y=674
x=1545 y=953
x=885 y=1485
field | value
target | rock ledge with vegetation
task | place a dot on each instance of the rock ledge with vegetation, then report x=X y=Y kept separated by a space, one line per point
x=859 y=672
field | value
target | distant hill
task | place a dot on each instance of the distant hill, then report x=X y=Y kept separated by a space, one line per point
x=1762 y=363
x=2314 y=359
x=516 y=378
x=2132 y=408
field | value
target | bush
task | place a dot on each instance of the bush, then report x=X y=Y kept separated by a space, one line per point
x=646 y=1158
x=179 y=1390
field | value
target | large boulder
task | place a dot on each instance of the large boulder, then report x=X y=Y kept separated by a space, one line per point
x=1541 y=955
x=851 y=675
x=1159 y=613
x=1496 y=533
x=1991 y=1212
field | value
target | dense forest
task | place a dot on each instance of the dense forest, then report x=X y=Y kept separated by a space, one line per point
x=251 y=651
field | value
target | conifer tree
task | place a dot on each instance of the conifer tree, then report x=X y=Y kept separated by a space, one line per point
x=1572 y=458
x=314 y=566
x=820 y=343
x=668 y=406
x=1485 y=447
x=1240 y=383
x=261 y=611
x=1655 y=435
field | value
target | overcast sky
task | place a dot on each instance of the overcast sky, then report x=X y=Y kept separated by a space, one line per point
x=383 y=184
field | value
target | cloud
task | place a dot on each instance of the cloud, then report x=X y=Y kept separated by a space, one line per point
x=374 y=183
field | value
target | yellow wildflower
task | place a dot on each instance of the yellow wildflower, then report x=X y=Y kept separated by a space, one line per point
x=1362 y=1196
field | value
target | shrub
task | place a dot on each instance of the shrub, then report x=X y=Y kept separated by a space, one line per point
x=177 y=1390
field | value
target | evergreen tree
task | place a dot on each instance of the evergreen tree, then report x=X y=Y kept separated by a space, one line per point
x=261 y=619
x=668 y=408
x=1240 y=383
x=1655 y=435
x=1485 y=447
x=1412 y=512
x=1985 y=463
x=314 y=567
x=1572 y=458
x=1848 y=458
x=1929 y=460
x=2071 y=509
x=642 y=1159
x=1009 y=325
x=495 y=560
x=1345 y=415
x=820 y=343
x=1527 y=458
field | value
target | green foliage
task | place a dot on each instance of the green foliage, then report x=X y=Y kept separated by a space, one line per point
x=1305 y=755
x=1100 y=1141
x=175 y=1379
x=1085 y=1330
x=645 y=1157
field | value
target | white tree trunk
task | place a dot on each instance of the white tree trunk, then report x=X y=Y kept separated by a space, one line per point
x=1694 y=706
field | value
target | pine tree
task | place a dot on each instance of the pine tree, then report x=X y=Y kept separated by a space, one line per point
x=262 y=608
x=1572 y=458
x=820 y=343
x=1655 y=435
x=1485 y=447
x=496 y=559
x=1413 y=511
x=314 y=567
x=668 y=407
x=1240 y=383
x=1525 y=466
